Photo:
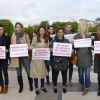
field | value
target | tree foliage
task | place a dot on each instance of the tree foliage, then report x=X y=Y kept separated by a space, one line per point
x=8 y=26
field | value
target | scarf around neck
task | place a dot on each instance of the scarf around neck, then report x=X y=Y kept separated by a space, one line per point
x=19 y=36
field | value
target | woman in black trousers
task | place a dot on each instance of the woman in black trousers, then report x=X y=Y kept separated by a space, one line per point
x=60 y=63
x=4 y=81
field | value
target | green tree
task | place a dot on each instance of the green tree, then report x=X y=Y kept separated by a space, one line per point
x=29 y=29
x=8 y=26
x=36 y=28
x=74 y=26
x=92 y=29
x=58 y=25
x=44 y=23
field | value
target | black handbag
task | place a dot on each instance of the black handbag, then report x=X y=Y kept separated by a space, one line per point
x=60 y=63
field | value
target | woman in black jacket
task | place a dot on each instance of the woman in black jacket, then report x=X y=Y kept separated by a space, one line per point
x=4 y=41
x=60 y=63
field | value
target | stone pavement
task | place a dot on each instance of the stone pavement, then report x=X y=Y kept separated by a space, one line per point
x=72 y=94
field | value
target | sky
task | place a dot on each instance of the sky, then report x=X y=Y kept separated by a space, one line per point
x=34 y=11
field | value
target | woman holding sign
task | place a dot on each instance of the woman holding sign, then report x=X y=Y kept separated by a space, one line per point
x=4 y=42
x=84 y=56
x=38 y=67
x=19 y=37
x=60 y=63
x=97 y=59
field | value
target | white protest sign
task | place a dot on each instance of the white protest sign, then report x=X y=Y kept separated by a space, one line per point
x=97 y=47
x=41 y=53
x=82 y=43
x=62 y=49
x=18 y=50
x=2 y=52
x=70 y=37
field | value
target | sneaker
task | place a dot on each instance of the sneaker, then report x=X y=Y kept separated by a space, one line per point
x=85 y=92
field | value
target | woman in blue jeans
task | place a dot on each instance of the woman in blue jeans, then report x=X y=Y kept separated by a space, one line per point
x=84 y=59
x=19 y=37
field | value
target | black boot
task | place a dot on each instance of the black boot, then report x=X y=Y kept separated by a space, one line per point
x=98 y=93
x=30 y=83
x=20 y=82
x=37 y=92
x=47 y=78
x=55 y=90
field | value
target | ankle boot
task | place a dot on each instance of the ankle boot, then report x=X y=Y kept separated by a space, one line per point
x=30 y=83
x=6 y=89
x=20 y=82
x=2 y=90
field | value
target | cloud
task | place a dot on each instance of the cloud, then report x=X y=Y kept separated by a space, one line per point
x=33 y=11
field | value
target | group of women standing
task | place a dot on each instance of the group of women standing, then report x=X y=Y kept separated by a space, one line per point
x=39 y=69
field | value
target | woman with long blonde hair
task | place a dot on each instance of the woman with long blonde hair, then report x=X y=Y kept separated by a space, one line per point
x=84 y=58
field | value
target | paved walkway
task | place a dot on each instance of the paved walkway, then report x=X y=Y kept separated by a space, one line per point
x=72 y=94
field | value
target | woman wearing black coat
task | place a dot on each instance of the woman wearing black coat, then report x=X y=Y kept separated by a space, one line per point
x=4 y=41
x=59 y=63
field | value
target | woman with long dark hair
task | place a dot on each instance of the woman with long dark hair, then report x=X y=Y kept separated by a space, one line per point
x=38 y=67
